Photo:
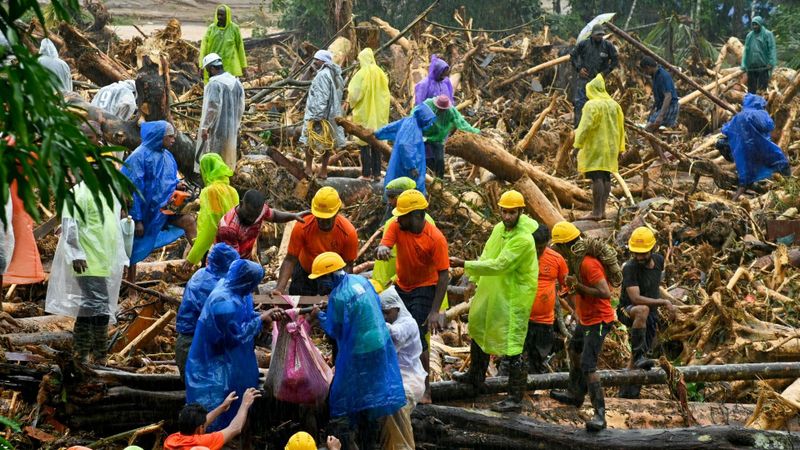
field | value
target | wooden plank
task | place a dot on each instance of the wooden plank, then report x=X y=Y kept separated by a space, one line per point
x=148 y=335
x=143 y=320
x=46 y=228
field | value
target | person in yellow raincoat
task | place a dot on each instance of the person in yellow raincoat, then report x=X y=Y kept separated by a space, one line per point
x=506 y=276
x=216 y=199
x=368 y=95
x=224 y=38
x=601 y=138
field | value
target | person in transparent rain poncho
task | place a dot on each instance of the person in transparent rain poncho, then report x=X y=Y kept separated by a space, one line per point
x=87 y=270
x=48 y=58
x=117 y=98
x=223 y=106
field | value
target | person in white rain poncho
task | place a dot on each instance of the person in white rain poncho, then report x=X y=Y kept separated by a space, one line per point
x=117 y=98
x=396 y=432
x=6 y=237
x=87 y=270
x=223 y=106
x=48 y=58
x=320 y=133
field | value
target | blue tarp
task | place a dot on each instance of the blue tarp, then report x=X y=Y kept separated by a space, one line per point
x=367 y=376
x=200 y=286
x=754 y=153
x=222 y=358
x=408 y=151
x=152 y=169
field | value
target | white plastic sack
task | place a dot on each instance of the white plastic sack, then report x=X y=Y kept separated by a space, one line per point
x=117 y=98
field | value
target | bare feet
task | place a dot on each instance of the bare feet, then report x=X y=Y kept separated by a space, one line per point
x=362 y=177
x=426 y=397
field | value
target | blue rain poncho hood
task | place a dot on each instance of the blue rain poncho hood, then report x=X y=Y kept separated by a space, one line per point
x=367 y=377
x=48 y=58
x=200 y=286
x=430 y=87
x=221 y=359
x=408 y=150
x=754 y=153
x=153 y=171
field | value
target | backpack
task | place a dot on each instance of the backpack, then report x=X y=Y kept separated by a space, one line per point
x=602 y=251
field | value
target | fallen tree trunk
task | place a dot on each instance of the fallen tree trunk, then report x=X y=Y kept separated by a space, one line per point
x=536 y=203
x=534 y=69
x=450 y=390
x=89 y=60
x=447 y=426
x=61 y=340
x=696 y=94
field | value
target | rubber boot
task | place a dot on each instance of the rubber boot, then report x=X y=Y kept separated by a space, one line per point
x=517 y=382
x=639 y=349
x=100 y=340
x=476 y=375
x=598 y=421
x=82 y=338
x=576 y=392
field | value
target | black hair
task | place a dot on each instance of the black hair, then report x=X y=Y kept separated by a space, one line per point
x=253 y=198
x=191 y=416
x=647 y=62
x=542 y=234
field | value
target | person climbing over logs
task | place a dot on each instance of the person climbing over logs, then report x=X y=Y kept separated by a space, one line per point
x=325 y=230
x=448 y=119
x=591 y=57
x=590 y=294
x=223 y=106
x=321 y=135
x=639 y=302
x=665 y=106
x=408 y=148
x=506 y=279
x=224 y=38
x=367 y=385
x=552 y=275
x=600 y=138
x=422 y=267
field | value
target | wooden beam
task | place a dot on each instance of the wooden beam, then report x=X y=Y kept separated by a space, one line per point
x=148 y=335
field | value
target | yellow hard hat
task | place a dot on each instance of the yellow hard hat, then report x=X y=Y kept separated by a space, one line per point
x=564 y=232
x=326 y=263
x=410 y=200
x=326 y=203
x=377 y=285
x=90 y=159
x=642 y=240
x=511 y=199
x=301 y=441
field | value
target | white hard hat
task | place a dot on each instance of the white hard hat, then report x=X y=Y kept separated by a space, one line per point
x=211 y=59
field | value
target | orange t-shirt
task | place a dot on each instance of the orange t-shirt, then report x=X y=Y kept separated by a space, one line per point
x=552 y=268
x=420 y=257
x=593 y=310
x=178 y=441
x=308 y=241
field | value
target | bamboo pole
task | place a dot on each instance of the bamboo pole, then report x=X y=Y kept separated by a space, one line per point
x=523 y=144
x=534 y=69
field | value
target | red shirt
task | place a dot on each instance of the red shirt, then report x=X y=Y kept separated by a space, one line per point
x=178 y=441
x=241 y=237
x=420 y=257
x=552 y=268
x=593 y=310
x=308 y=241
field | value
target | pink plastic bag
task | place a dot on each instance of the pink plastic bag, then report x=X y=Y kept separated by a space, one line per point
x=298 y=372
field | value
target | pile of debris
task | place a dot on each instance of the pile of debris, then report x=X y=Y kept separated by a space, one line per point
x=729 y=265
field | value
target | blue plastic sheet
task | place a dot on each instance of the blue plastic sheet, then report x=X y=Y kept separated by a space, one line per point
x=200 y=286
x=430 y=87
x=367 y=376
x=408 y=151
x=152 y=169
x=222 y=359
x=754 y=153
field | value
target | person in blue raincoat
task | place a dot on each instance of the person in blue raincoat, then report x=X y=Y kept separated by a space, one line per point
x=195 y=295
x=754 y=153
x=367 y=384
x=222 y=357
x=153 y=171
x=408 y=151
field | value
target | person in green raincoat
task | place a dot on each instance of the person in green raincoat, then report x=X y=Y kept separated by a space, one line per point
x=216 y=199
x=759 y=57
x=448 y=120
x=601 y=138
x=506 y=276
x=368 y=95
x=223 y=38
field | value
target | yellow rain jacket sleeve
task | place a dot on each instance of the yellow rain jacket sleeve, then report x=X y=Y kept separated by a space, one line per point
x=216 y=199
x=368 y=93
x=226 y=42
x=601 y=133
x=506 y=276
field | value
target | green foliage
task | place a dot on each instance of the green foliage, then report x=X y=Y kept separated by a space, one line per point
x=50 y=146
x=694 y=392
x=674 y=39
x=13 y=426
x=565 y=26
x=308 y=16
x=786 y=37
